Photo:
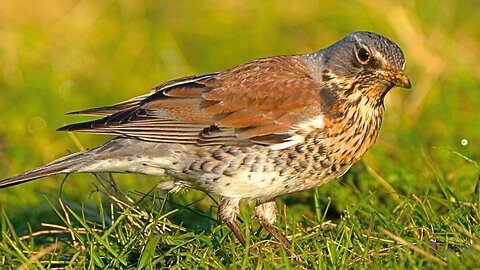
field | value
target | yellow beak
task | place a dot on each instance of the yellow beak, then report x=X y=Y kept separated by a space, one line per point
x=397 y=77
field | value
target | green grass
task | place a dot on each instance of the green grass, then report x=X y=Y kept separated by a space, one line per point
x=422 y=230
x=412 y=202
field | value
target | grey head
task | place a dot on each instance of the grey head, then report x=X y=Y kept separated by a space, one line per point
x=370 y=61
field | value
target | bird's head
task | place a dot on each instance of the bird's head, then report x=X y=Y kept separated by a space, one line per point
x=364 y=61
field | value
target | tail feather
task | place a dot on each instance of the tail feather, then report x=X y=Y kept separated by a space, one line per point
x=67 y=164
x=118 y=155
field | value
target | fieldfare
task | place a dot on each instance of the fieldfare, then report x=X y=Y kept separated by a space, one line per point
x=269 y=127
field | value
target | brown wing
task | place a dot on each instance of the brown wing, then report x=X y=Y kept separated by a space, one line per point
x=133 y=102
x=258 y=102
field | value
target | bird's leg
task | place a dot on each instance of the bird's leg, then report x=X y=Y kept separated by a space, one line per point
x=267 y=215
x=228 y=210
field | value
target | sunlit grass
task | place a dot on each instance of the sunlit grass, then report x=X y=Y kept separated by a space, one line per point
x=140 y=230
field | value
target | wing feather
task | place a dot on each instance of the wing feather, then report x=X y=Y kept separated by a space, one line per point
x=258 y=102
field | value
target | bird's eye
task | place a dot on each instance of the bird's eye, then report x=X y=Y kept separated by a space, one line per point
x=363 y=55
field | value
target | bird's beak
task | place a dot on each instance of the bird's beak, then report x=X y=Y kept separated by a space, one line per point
x=396 y=77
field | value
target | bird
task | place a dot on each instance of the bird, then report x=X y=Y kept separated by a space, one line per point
x=265 y=128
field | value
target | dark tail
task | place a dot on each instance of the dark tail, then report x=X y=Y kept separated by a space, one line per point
x=67 y=164
x=118 y=155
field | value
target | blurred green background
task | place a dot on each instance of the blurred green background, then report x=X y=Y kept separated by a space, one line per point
x=58 y=56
